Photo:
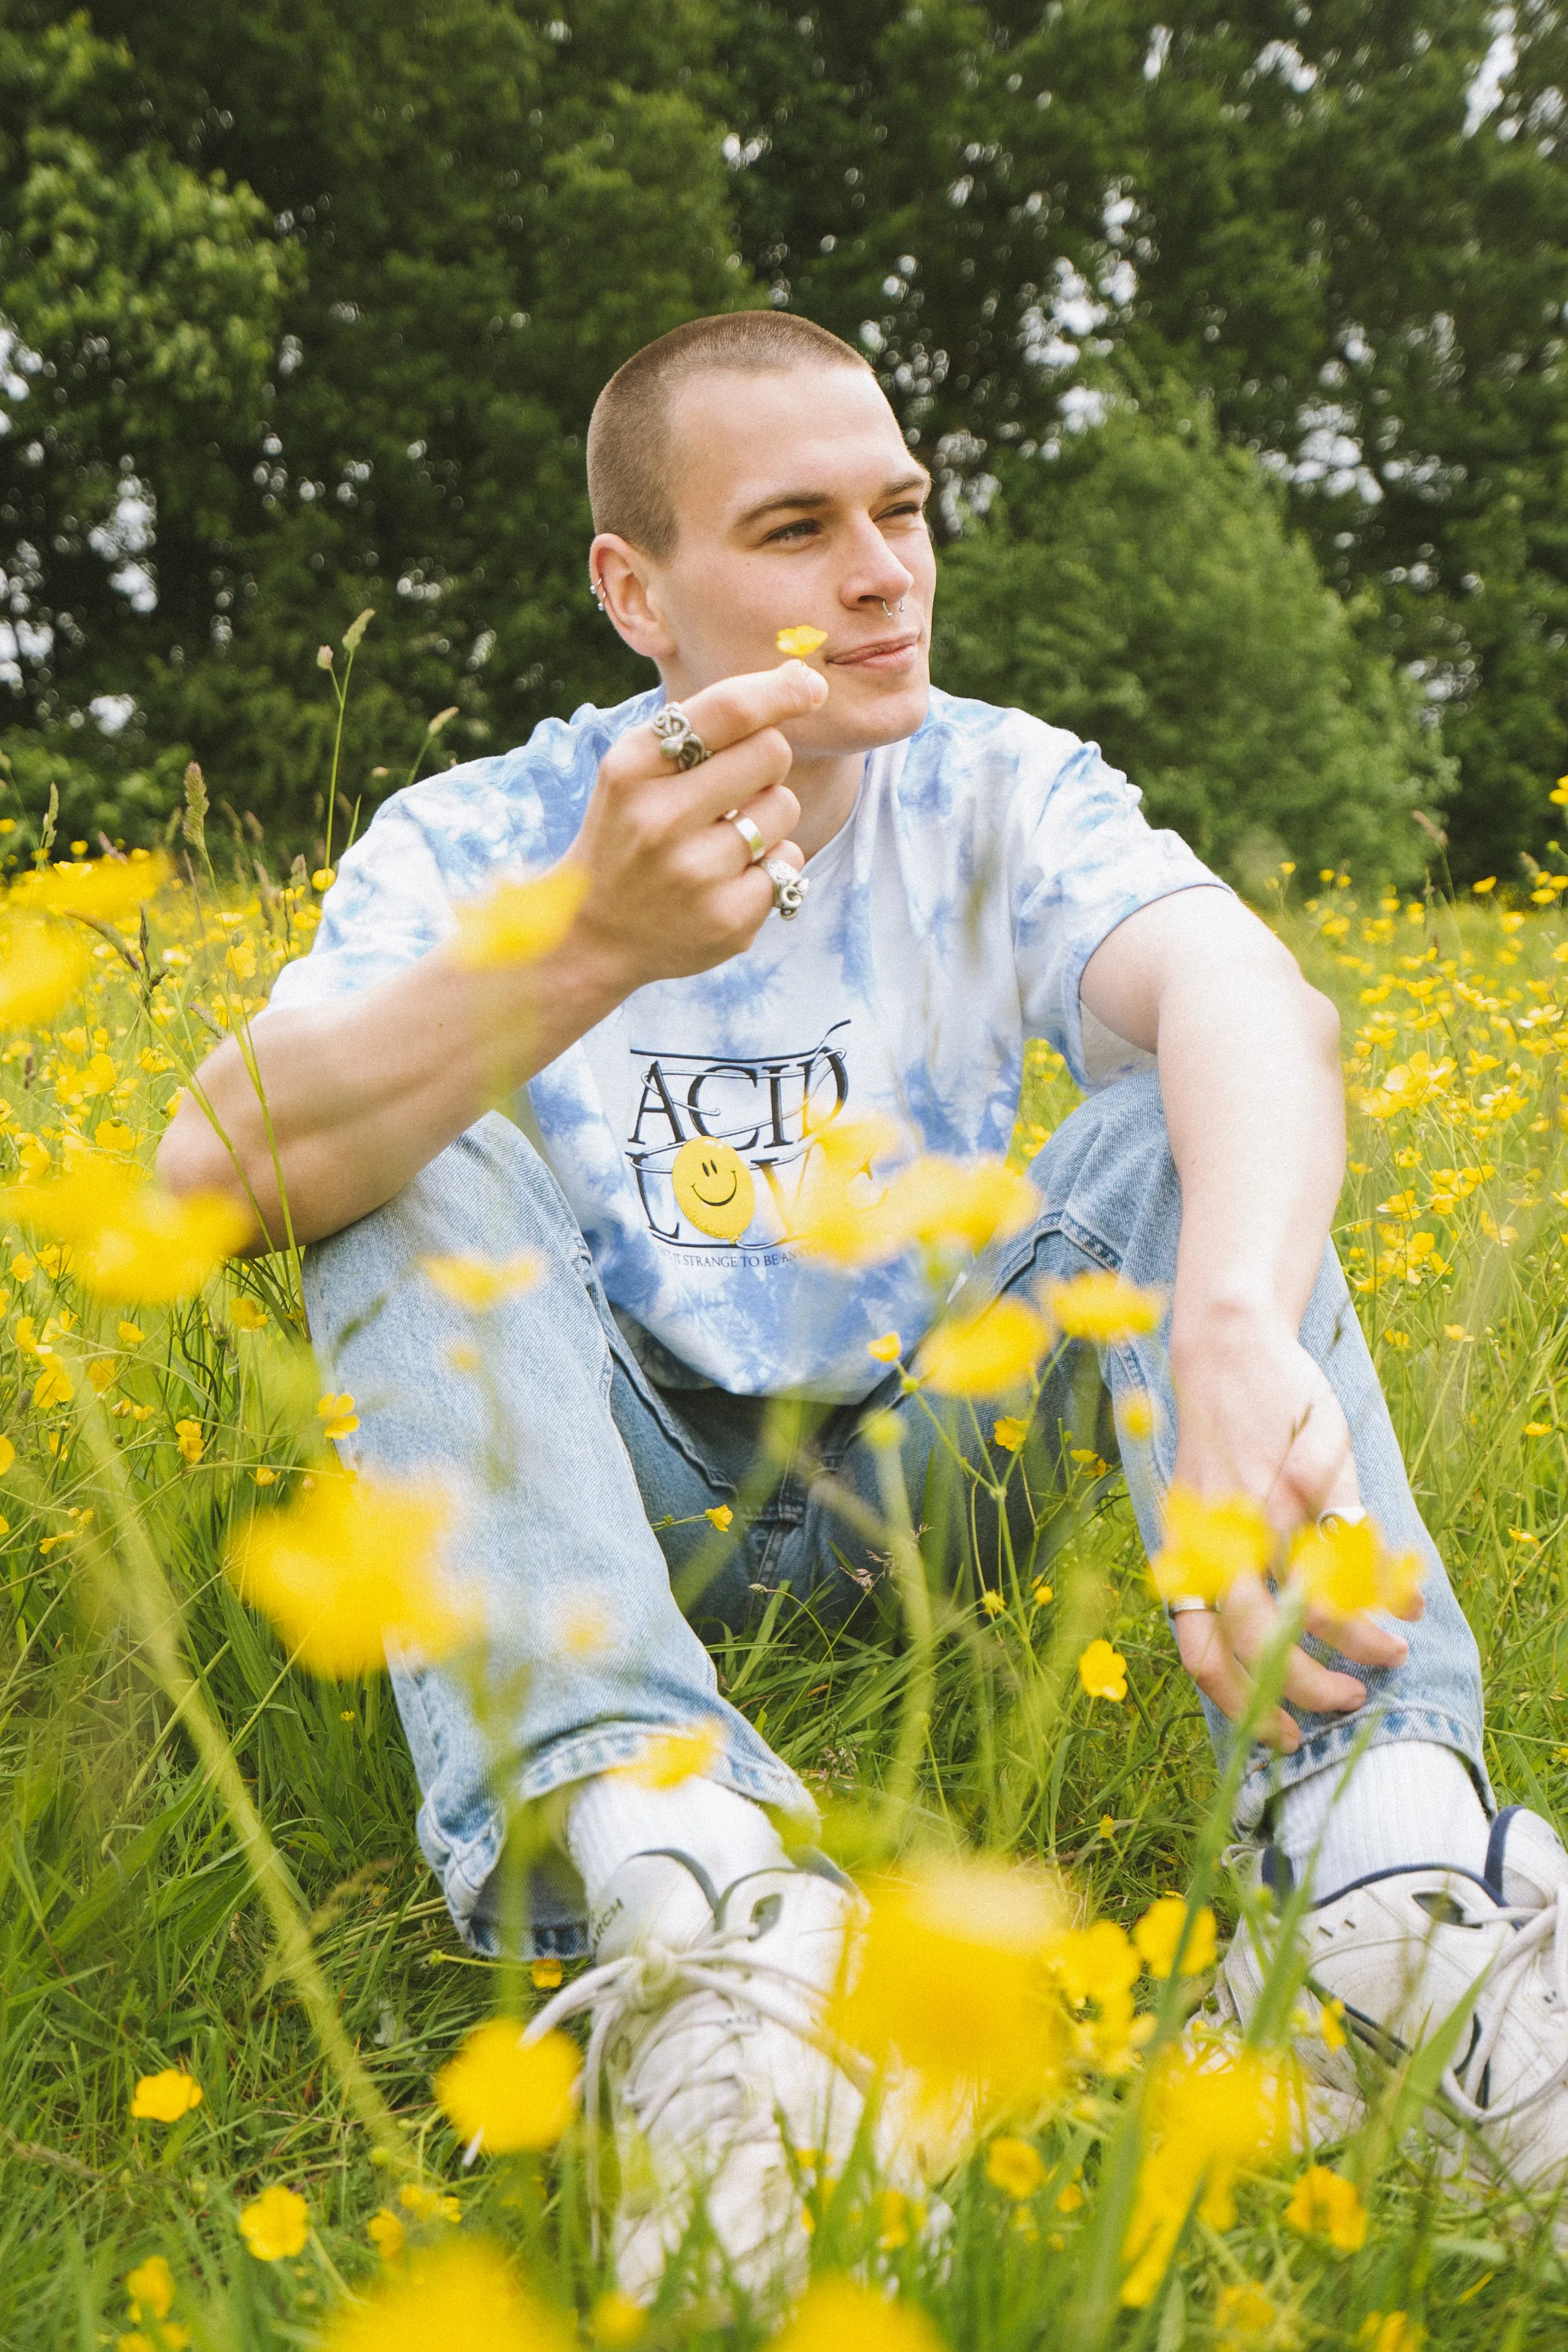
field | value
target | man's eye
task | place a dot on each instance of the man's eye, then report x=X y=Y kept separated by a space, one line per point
x=804 y=529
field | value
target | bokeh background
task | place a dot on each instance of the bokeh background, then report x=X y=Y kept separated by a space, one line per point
x=1233 y=332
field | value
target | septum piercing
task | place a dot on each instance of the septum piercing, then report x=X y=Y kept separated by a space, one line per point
x=882 y=602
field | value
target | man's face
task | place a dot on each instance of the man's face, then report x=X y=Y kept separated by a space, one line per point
x=799 y=503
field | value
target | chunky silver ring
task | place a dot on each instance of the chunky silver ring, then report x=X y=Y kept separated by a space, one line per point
x=678 y=738
x=1184 y=1606
x=755 y=847
x=1351 y=1516
x=789 y=889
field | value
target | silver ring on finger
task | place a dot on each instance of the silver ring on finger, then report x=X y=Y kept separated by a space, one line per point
x=678 y=738
x=1188 y=1602
x=789 y=889
x=1351 y=1515
x=755 y=847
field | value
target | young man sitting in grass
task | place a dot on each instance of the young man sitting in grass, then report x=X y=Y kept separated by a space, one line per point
x=970 y=878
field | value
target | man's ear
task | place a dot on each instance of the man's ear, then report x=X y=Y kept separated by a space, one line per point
x=626 y=581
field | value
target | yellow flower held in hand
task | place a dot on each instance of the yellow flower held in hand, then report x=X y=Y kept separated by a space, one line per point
x=164 y=2098
x=1102 y=1671
x=837 y=2313
x=349 y=1565
x=464 y=2294
x=276 y=2224
x=1102 y=1308
x=1159 y=1931
x=1210 y=1540
x=1015 y=2166
x=983 y=1355
x=509 y=2093
x=669 y=1758
x=1324 y=2204
x=518 y=922
x=801 y=640
x=478 y=1282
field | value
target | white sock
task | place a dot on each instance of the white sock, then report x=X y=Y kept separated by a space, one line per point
x=612 y=1816
x=1403 y=1803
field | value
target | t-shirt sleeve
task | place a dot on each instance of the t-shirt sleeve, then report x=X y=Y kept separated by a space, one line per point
x=390 y=904
x=1091 y=859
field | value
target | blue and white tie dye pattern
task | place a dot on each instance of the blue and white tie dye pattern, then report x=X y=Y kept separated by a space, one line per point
x=951 y=919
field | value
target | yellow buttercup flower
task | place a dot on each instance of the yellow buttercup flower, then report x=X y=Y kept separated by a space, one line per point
x=276 y=2224
x=427 y=2204
x=1210 y=1540
x=1347 y=1567
x=1324 y=2204
x=40 y=967
x=841 y=1210
x=1009 y=1433
x=8 y=1455
x=617 y=2320
x=336 y=1415
x=478 y=1282
x=720 y=1517
x=801 y=640
x=1205 y=2115
x=462 y=2292
x=110 y=890
x=128 y=1238
x=1102 y=1308
x=1015 y=2166
x=1103 y=1672
x=983 y=1355
x=386 y=2234
x=190 y=1440
x=348 y=1566
x=508 y=2092
x=887 y=1350
x=151 y=2287
x=245 y=1315
x=835 y=2313
x=164 y=2098
x=53 y=1386
x=668 y=1757
x=949 y=1203
x=518 y=922
x=1135 y=1415
x=1160 y=1930
x=1240 y=2312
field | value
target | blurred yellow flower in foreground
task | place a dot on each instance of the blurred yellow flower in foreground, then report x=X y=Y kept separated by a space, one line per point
x=107 y=890
x=507 y=2093
x=837 y=2313
x=245 y=1315
x=1346 y=1566
x=1159 y=1931
x=8 y=1455
x=427 y=2204
x=1210 y=1540
x=151 y=2286
x=1135 y=1415
x=164 y=2098
x=1102 y=1671
x=801 y=640
x=518 y=922
x=616 y=2320
x=465 y=2292
x=983 y=1355
x=276 y=2224
x=668 y=1757
x=478 y=1282
x=947 y=1204
x=1324 y=2204
x=40 y=967
x=347 y=1566
x=1015 y=2166
x=1242 y=2311
x=1391 y=2331
x=1102 y=1308
x=1205 y=2115
x=128 y=1238
x=386 y=2234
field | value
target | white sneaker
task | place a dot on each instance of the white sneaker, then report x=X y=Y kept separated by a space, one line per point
x=1402 y=1950
x=728 y=2090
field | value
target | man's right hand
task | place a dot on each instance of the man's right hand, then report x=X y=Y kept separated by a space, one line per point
x=363 y=1093
x=670 y=888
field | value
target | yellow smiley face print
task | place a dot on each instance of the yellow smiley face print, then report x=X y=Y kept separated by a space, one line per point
x=714 y=1188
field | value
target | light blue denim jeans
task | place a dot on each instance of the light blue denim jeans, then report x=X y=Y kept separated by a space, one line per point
x=568 y=1440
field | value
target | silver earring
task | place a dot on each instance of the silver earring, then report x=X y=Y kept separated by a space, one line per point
x=882 y=602
x=596 y=590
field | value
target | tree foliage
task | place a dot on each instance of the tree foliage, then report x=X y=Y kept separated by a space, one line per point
x=306 y=308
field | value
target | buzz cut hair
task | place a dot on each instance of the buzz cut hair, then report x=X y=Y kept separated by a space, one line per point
x=629 y=453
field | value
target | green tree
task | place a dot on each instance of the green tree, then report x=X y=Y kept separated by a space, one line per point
x=1141 y=588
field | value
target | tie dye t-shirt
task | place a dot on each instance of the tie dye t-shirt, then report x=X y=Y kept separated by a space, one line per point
x=950 y=920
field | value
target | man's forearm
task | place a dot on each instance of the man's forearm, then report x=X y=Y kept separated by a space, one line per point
x=322 y=1115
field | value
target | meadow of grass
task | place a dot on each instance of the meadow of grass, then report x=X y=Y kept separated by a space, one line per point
x=208 y=1860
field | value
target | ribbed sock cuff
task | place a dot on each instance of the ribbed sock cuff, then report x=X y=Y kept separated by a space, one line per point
x=1402 y=1802
x=612 y=1816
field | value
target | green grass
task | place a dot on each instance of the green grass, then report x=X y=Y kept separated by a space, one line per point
x=133 y=1937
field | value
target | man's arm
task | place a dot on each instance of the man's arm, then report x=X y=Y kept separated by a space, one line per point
x=349 y=1100
x=1248 y=1063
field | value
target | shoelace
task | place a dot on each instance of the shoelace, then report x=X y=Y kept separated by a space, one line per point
x=646 y=1981
x=1534 y=1930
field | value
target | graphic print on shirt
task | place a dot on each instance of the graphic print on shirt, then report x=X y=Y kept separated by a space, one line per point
x=719 y=1144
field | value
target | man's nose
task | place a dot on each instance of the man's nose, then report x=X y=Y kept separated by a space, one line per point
x=877 y=577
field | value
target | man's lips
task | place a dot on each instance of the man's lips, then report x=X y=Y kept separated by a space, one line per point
x=881 y=652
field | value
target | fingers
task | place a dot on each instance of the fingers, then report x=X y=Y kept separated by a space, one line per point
x=773 y=812
x=1362 y=1638
x=1209 y=1658
x=738 y=706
